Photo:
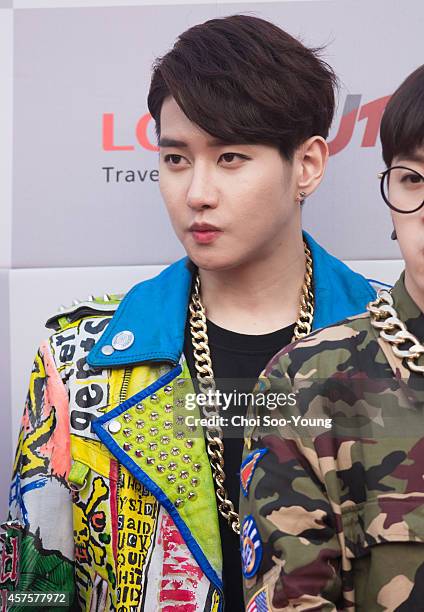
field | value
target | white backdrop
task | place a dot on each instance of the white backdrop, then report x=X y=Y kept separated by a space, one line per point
x=74 y=77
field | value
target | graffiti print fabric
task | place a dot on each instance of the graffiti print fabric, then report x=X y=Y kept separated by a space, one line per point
x=110 y=552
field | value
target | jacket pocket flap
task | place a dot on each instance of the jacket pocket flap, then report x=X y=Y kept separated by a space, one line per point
x=389 y=518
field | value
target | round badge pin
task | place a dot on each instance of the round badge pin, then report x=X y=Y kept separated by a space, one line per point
x=123 y=340
x=251 y=547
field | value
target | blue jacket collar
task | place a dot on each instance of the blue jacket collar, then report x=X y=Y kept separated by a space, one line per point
x=155 y=310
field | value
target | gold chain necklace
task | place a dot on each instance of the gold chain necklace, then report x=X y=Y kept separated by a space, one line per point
x=205 y=377
x=391 y=329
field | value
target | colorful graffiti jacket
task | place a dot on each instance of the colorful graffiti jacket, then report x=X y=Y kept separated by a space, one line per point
x=333 y=491
x=112 y=499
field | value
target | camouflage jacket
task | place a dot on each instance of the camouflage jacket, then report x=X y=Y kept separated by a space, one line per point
x=332 y=502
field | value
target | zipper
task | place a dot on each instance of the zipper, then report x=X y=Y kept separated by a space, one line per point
x=125 y=384
x=122 y=397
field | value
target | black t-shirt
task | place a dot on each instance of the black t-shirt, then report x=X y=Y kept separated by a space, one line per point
x=235 y=356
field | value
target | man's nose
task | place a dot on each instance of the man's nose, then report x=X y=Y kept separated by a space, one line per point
x=202 y=192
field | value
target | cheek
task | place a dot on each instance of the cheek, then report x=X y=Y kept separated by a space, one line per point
x=279 y=184
x=164 y=186
x=170 y=194
x=409 y=240
x=263 y=192
x=276 y=202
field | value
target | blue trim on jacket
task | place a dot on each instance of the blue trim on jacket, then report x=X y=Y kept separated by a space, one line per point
x=138 y=473
x=155 y=310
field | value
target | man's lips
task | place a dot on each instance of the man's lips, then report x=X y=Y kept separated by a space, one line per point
x=204 y=233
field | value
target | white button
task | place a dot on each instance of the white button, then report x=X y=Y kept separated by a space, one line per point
x=107 y=349
x=123 y=340
x=114 y=426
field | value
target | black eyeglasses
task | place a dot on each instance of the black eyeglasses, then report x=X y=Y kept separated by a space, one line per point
x=402 y=189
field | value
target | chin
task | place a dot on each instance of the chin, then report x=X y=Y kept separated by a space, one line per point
x=212 y=261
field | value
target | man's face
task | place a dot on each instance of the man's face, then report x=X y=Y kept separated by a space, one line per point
x=246 y=192
x=410 y=227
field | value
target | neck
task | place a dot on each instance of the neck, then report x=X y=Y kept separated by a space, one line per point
x=260 y=296
x=414 y=291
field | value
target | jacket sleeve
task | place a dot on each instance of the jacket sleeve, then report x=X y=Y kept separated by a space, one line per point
x=38 y=535
x=290 y=534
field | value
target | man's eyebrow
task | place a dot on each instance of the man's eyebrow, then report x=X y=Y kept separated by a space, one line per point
x=171 y=142
x=416 y=157
x=164 y=141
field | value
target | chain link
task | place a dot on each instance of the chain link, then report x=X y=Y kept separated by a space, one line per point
x=206 y=380
x=391 y=329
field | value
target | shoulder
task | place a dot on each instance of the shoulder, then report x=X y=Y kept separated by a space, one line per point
x=102 y=306
x=330 y=272
x=326 y=350
x=171 y=280
x=76 y=329
x=339 y=291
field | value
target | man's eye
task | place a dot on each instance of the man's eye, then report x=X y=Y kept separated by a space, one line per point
x=229 y=157
x=412 y=178
x=172 y=159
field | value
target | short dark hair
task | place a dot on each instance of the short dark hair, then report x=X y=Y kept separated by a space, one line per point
x=244 y=80
x=402 y=124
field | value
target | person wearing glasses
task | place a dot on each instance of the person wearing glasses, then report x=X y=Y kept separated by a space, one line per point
x=332 y=483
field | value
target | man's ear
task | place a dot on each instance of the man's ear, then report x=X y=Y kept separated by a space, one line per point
x=312 y=157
